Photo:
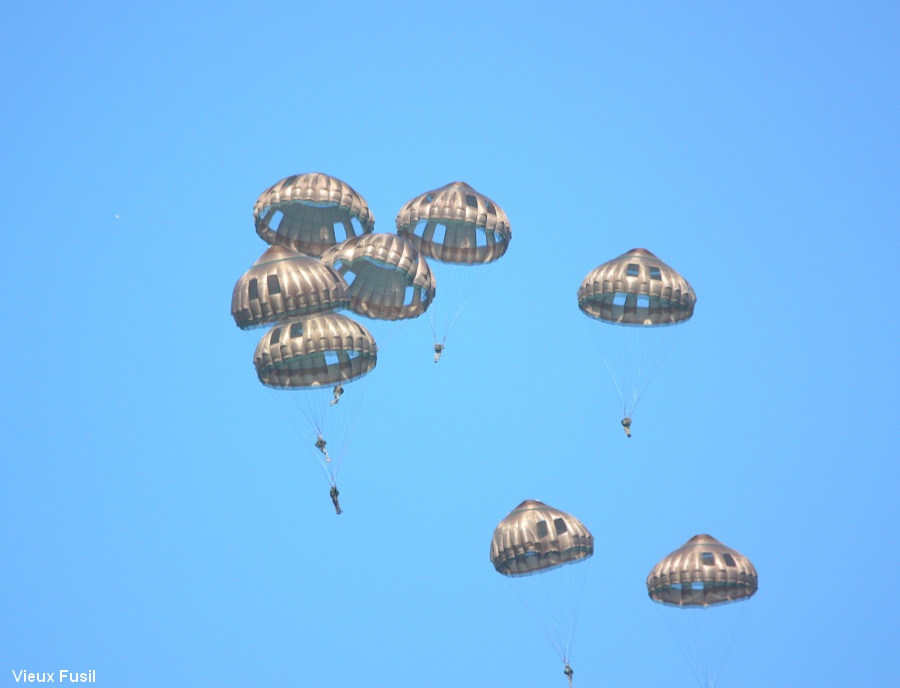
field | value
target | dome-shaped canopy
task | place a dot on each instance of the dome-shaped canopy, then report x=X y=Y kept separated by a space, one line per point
x=636 y=288
x=455 y=224
x=535 y=537
x=389 y=279
x=285 y=284
x=701 y=573
x=310 y=213
x=318 y=351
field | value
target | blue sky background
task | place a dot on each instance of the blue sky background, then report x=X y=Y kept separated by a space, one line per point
x=160 y=523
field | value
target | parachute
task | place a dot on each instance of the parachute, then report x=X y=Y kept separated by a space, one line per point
x=701 y=573
x=636 y=288
x=544 y=552
x=323 y=350
x=698 y=580
x=459 y=227
x=635 y=297
x=311 y=213
x=312 y=359
x=524 y=544
x=388 y=277
x=284 y=284
x=455 y=224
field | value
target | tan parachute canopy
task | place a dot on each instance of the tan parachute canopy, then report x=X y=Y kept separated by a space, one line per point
x=636 y=288
x=285 y=284
x=322 y=350
x=535 y=537
x=389 y=278
x=303 y=211
x=455 y=224
x=701 y=573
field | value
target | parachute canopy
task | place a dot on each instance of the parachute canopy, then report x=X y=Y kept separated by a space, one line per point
x=311 y=213
x=317 y=351
x=636 y=288
x=389 y=279
x=701 y=573
x=455 y=224
x=535 y=537
x=285 y=284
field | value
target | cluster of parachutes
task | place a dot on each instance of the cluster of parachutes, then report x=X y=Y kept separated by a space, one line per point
x=324 y=257
x=637 y=299
x=547 y=550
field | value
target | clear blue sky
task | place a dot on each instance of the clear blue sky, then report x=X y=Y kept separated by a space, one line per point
x=161 y=524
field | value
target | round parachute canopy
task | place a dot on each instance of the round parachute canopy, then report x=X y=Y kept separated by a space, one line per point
x=311 y=213
x=455 y=224
x=636 y=288
x=284 y=284
x=389 y=279
x=535 y=537
x=701 y=573
x=322 y=350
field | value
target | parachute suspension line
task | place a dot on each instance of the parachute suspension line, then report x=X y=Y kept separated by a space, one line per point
x=540 y=619
x=467 y=298
x=616 y=385
x=306 y=419
x=458 y=285
x=581 y=583
x=299 y=429
x=633 y=356
x=333 y=423
x=553 y=600
x=638 y=345
x=305 y=401
x=684 y=645
x=476 y=284
x=740 y=612
x=431 y=312
x=655 y=351
x=455 y=317
x=431 y=320
x=705 y=637
x=716 y=640
x=358 y=389
x=612 y=359
x=433 y=330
